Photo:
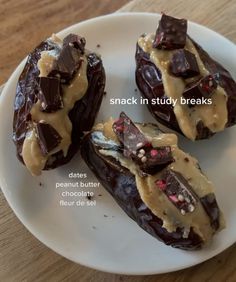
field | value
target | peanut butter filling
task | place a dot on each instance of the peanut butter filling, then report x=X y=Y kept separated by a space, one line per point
x=214 y=116
x=154 y=198
x=31 y=153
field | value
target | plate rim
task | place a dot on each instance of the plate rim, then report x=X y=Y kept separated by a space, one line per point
x=14 y=76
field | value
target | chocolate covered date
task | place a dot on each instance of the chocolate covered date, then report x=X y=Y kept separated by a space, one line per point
x=171 y=65
x=158 y=185
x=58 y=95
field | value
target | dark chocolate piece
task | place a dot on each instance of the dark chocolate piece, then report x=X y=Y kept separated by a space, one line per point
x=178 y=191
x=204 y=87
x=67 y=64
x=136 y=146
x=75 y=41
x=171 y=33
x=211 y=207
x=129 y=135
x=152 y=160
x=50 y=94
x=183 y=63
x=47 y=136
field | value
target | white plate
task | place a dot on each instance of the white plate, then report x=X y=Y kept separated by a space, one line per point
x=82 y=234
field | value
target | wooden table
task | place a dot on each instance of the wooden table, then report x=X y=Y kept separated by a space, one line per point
x=25 y=23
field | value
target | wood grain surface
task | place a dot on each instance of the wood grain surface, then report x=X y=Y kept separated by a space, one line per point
x=24 y=24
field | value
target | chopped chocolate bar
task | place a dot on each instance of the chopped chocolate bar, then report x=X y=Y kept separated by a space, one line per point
x=203 y=87
x=152 y=160
x=153 y=78
x=129 y=135
x=48 y=137
x=183 y=63
x=67 y=64
x=211 y=207
x=50 y=94
x=171 y=33
x=75 y=41
x=178 y=191
x=137 y=147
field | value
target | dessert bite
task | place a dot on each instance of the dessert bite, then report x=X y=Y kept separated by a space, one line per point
x=58 y=95
x=157 y=184
x=170 y=64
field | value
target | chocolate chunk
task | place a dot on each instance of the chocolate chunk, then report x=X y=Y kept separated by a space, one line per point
x=183 y=63
x=210 y=205
x=139 y=149
x=67 y=64
x=47 y=136
x=178 y=191
x=75 y=41
x=152 y=160
x=129 y=135
x=153 y=77
x=50 y=94
x=171 y=33
x=203 y=87
x=203 y=132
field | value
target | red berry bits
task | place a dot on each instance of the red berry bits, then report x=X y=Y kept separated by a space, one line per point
x=178 y=191
x=171 y=33
x=136 y=146
x=161 y=184
x=204 y=87
x=48 y=137
x=173 y=198
x=153 y=153
x=184 y=64
x=128 y=134
x=155 y=159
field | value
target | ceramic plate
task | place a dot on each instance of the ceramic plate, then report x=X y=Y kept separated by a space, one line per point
x=103 y=236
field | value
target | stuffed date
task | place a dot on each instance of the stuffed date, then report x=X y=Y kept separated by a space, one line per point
x=158 y=185
x=58 y=95
x=171 y=65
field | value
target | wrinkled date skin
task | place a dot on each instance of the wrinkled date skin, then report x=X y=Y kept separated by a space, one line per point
x=120 y=183
x=82 y=115
x=149 y=82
